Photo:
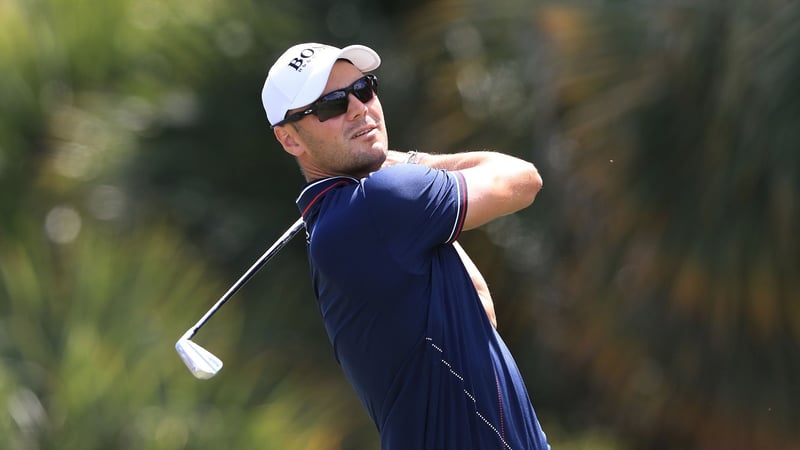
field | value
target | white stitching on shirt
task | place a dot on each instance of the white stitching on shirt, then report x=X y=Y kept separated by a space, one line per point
x=471 y=397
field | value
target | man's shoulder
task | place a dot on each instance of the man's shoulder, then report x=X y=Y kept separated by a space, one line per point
x=398 y=172
x=408 y=178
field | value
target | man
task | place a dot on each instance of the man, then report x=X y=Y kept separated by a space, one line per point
x=408 y=314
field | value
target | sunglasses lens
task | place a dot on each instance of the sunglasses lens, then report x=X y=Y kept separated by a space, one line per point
x=336 y=103
x=363 y=90
x=328 y=108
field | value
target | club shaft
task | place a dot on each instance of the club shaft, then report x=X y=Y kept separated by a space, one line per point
x=279 y=244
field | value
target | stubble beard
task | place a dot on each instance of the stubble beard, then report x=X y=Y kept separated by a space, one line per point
x=364 y=163
x=349 y=159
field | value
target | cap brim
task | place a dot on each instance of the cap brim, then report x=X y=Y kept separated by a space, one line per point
x=363 y=57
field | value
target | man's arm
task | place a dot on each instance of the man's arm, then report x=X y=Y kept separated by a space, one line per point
x=480 y=284
x=497 y=184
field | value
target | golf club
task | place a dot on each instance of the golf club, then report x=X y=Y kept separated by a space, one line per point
x=200 y=361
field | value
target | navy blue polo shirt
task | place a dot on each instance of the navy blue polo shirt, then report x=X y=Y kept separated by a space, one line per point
x=404 y=318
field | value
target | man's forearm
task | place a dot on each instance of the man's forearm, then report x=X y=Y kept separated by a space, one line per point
x=448 y=161
x=497 y=184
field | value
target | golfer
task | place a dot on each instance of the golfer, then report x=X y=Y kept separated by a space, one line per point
x=409 y=316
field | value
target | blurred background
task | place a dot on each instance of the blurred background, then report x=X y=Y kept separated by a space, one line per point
x=650 y=295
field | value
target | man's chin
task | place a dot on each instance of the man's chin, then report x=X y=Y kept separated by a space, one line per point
x=366 y=168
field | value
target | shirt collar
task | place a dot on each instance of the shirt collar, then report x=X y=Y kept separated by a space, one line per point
x=315 y=190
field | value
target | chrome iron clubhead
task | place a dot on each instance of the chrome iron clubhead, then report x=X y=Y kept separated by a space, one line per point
x=200 y=361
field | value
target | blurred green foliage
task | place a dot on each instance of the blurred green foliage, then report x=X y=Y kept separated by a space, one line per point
x=650 y=294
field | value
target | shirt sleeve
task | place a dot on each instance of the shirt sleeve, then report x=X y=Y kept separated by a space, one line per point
x=424 y=206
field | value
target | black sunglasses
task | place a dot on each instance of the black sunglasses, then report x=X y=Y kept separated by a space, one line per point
x=335 y=103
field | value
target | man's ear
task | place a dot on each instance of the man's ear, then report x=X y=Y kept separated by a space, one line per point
x=287 y=136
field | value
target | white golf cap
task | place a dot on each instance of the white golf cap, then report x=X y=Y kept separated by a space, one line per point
x=299 y=76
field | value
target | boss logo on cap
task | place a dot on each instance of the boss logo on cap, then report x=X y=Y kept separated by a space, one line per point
x=305 y=55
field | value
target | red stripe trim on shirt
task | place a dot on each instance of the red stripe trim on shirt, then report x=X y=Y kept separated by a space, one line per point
x=500 y=408
x=321 y=193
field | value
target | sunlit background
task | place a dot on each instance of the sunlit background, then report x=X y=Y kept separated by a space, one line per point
x=650 y=295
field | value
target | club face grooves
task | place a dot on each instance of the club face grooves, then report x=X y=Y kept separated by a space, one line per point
x=200 y=361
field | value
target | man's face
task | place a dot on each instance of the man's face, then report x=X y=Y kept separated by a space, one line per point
x=353 y=144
